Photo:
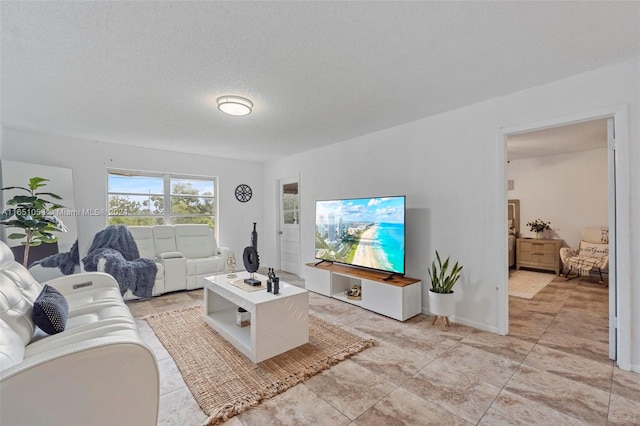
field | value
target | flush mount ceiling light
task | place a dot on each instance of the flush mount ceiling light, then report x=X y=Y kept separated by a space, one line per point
x=234 y=105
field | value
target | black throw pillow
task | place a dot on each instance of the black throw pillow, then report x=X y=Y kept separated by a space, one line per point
x=50 y=310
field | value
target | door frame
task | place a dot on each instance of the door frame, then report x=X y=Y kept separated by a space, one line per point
x=620 y=291
x=279 y=179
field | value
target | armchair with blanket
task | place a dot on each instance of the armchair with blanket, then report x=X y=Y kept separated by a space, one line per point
x=592 y=255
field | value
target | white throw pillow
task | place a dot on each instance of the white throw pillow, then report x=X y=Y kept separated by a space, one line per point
x=593 y=249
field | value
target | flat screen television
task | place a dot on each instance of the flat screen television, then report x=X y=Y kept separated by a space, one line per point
x=364 y=232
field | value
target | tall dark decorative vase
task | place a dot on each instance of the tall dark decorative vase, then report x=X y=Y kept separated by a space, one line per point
x=254 y=237
x=251 y=259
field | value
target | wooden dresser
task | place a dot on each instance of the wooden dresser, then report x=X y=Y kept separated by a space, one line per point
x=539 y=254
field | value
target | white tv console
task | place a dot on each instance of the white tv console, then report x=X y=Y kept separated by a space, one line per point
x=399 y=298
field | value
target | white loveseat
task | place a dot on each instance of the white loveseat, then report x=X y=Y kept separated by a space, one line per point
x=96 y=371
x=184 y=254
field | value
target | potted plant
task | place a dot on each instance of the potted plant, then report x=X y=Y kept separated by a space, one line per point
x=441 y=291
x=539 y=226
x=34 y=215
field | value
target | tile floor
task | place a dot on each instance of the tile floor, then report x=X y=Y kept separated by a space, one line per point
x=553 y=368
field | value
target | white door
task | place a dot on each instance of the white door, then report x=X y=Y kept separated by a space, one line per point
x=289 y=225
x=613 y=312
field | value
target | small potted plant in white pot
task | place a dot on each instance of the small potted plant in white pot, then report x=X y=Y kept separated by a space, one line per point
x=441 y=291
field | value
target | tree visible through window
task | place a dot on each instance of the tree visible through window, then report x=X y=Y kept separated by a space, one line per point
x=192 y=201
x=290 y=203
x=140 y=199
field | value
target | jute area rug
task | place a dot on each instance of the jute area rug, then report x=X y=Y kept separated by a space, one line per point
x=527 y=284
x=225 y=382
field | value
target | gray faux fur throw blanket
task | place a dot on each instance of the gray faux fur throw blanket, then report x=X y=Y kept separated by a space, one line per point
x=66 y=261
x=116 y=245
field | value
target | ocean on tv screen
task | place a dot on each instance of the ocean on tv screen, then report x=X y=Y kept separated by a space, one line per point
x=366 y=232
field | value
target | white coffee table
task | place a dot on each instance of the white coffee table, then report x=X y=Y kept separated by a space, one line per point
x=278 y=322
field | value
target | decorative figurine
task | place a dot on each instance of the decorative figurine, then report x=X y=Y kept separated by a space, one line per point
x=271 y=280
x=251 y=259
x=254 y=237
x=354 y=293
x=243 y=318
x=231 y=266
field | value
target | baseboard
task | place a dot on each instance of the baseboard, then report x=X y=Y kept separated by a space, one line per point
x=469 y=323
x=475 y=324
x=635 y=368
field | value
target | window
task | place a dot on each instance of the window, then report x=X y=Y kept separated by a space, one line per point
x=290 y=203
x=157 y=199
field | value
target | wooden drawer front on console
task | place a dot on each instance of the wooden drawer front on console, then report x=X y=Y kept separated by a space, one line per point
x=541 y=254
x=538 y=247
x=538 y=257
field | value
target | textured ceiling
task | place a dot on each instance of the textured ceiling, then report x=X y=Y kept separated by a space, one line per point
x=148 y=73
x=584 y=136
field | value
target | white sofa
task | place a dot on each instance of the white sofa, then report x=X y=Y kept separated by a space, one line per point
x=96 y=371
x=184 y=254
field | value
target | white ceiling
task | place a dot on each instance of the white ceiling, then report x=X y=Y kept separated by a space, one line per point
x=558 y=140
x=148 y=73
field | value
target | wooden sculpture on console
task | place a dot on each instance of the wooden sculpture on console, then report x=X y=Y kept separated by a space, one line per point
x=251 y=259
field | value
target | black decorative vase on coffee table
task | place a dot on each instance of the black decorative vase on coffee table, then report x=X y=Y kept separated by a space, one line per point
x=251 y=259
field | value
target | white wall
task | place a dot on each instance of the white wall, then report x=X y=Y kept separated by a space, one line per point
x=448 y=167
x=569 y=190
x=90 y=160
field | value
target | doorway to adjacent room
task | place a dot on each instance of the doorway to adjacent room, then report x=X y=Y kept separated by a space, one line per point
x=618 y=217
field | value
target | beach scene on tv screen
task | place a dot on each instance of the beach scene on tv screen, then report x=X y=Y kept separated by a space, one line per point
x=366 y=232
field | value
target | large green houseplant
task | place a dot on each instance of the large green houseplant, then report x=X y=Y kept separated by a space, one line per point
x=441 y=291
x=34 y=215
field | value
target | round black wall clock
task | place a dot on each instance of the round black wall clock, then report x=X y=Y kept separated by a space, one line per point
x=243 y=193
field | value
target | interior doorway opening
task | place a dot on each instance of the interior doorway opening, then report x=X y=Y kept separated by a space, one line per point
x=558 y=183
x=619 y=311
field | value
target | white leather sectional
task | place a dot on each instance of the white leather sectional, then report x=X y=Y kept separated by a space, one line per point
x=184 y=254
x=96 y=371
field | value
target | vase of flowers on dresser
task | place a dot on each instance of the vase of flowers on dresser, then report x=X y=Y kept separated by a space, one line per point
x=539 y=226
